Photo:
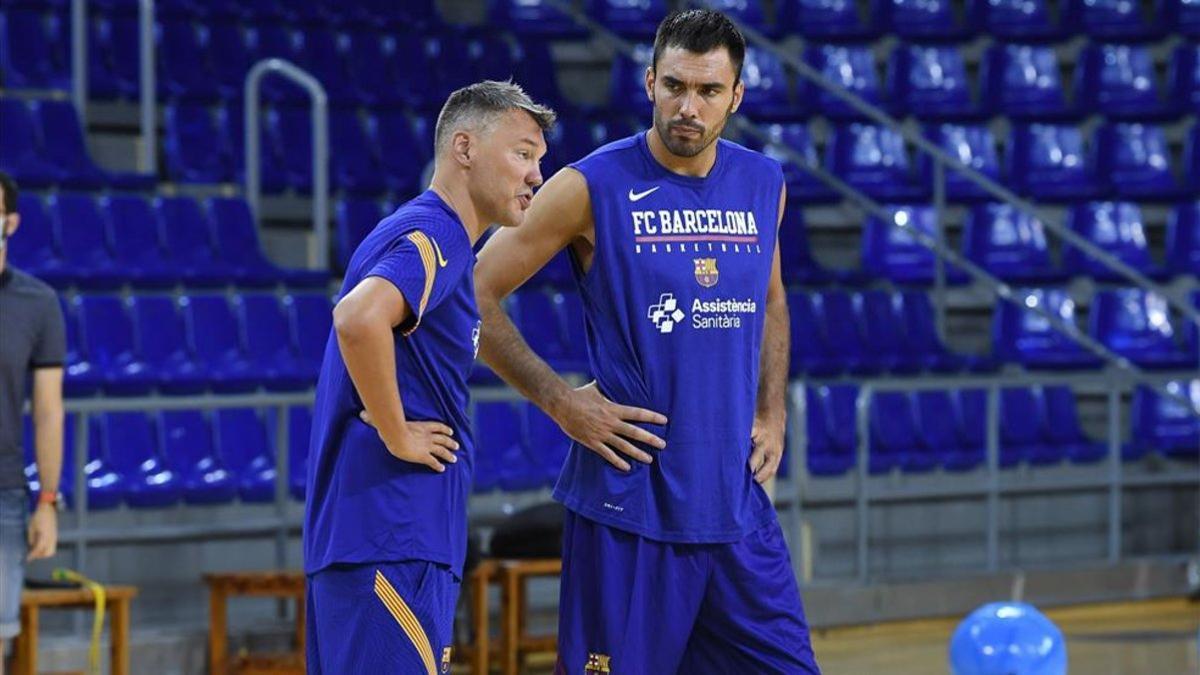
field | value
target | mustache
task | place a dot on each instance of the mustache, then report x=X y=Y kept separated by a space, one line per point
x=686 y=125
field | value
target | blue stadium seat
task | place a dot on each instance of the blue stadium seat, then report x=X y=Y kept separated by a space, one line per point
x=243 y=447
x=941 y=428
x=1136 y=324
x=354 y=167
x=852 y=68
x=802 y=186
x=184 y=72
x=299 y=430
x=267 y=334
x=1016 y=19
x=1009 y=243
x=121 y=39
x=1184 y=77
x=106 y=486
x=533 y=18
x=1134 y=159
x=767 y=94
x=630 y=18
x=894 y=439
x=922 y=343
x=80 y=377
x=291 y=131
x=63 y=145
x=746 y=12
x=971 y=406
x=1119 y=81
x=810 y=351
x=930 y=81
x=130 y=445
x=187 y=444
x=355 y=218
x=321 y=53
x=796 y=259
x=880 y=320
x=1027 y=338
x=927 y=20
x=108 y=338
x=231 y=58
x=35 y=249
x=827 y=19
x=1183 y=239
x=547 y=443
x=1164 y=425
x=239 y=249
x=835 y=312
x=369 y=56
x=1047 y=162
x=276 y=40
x=102 y=77
x=627 y=84
x=1117 y=228
x=535 y=69
x=499 y=445
x=873 y=159
x=83 y=242
x=136 y=243
x=189 y=147
x=832 y=432
x=1023 y=425
x=975 y=145
x=402 y=159
x=1191 y=161
x=163 y=345
x=187 y=235
x=1065 y=431
x=32 y=50
x=1114 y=19
x=212 y=333
x=21 y=152
x=891 y=252
x=231 y=125
x=310 y=316
x=1185 y=17
x=1023 y=81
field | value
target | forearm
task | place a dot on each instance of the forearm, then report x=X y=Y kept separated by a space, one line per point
x=773 y=361
x=509 y=356
x=368 y=350
x=48 y=445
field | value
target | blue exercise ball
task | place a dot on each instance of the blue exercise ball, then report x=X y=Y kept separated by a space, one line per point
x=1007 y=638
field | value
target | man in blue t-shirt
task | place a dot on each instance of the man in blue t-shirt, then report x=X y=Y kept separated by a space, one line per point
x=391 y=456
x=673 y=560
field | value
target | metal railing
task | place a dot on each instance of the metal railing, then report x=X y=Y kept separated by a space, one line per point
x=147 y=94
x=319 y=255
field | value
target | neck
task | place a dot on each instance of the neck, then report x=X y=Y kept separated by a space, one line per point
x=453 y=190
x=697 y=166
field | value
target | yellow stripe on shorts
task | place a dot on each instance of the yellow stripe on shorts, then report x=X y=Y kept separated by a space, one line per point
x=429 y=262
x=407 y=620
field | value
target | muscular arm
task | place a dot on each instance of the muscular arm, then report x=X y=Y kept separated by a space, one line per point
x=364 y=321
x=560 y=213
x=771 y=411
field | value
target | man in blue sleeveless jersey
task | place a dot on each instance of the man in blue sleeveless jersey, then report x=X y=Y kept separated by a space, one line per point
x=388 y=481
x=673 y=561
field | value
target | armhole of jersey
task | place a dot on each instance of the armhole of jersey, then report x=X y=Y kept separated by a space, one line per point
x=584 y=278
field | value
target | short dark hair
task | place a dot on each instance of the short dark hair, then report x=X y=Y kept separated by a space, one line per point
x=700 y=31
x=10 y=192
x=479 y=104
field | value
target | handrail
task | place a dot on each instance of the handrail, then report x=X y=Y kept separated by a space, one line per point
x=148 y=94
x=319 y=257
x=79 y=59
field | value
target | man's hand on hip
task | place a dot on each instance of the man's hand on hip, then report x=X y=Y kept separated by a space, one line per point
x=606 y=428
x=428 y=443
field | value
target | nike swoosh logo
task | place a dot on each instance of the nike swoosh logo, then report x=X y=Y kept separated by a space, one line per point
x=636 y=196
x=438 y=249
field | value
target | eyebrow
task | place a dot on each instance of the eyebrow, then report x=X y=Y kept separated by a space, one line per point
x=705 y=85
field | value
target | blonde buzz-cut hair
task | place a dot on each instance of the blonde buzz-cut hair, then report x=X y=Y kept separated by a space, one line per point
x=478 y=106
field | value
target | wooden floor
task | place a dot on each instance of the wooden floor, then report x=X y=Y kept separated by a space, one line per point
x=1154 y=637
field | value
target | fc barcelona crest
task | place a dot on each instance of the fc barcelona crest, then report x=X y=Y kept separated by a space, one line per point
x=706 y=272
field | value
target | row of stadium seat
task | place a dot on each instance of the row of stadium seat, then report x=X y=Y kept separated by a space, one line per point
x=194 y=343
x=873 y=332
x=946 y=429
x=157 y=460
x=931 y=82
x=379 y=14
x=96 y=243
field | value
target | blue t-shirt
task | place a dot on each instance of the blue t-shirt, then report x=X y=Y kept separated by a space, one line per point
x=674 y=305
x=363 y=504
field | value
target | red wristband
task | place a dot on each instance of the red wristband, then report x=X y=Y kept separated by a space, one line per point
x=49 y=498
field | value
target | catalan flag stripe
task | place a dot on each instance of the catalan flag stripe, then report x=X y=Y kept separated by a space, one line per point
x=408 y=621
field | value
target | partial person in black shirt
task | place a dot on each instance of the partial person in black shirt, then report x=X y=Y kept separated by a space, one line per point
x=32 y=349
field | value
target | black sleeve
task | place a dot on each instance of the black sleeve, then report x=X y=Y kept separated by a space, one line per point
x=51 y=348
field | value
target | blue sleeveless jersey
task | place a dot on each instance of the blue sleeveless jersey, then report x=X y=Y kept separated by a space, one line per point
x=674 y=303
x=363 y=505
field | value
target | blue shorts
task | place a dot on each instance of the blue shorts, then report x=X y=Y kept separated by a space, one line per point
x=14 y=512
x=385 y=618
x=636 y=606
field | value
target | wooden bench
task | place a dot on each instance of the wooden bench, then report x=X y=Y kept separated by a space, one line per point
x=222 y=586
x=511 y=575
x=117 y=600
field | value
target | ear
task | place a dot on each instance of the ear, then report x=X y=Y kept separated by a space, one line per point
x=650 y=83
x=12 y=223
x=462 y=148
x=739 y=90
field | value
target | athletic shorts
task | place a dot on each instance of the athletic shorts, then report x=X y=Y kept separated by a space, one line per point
x=381 y=619
x=635 y=606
